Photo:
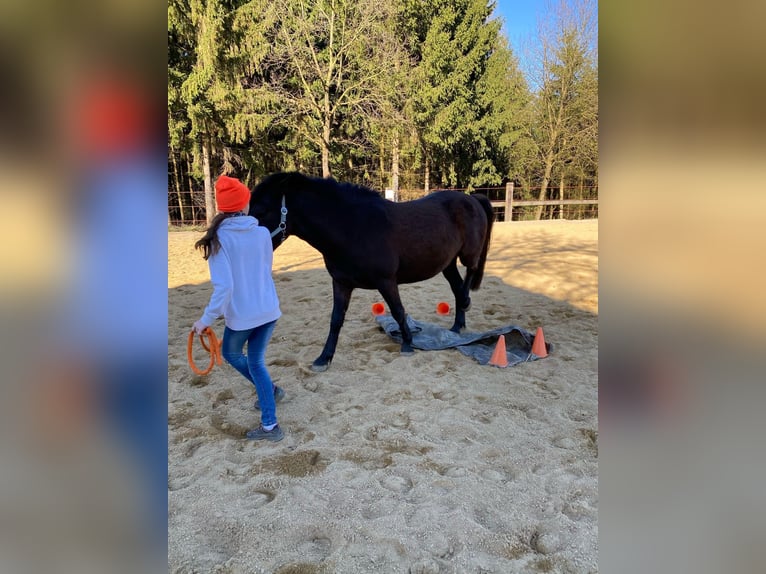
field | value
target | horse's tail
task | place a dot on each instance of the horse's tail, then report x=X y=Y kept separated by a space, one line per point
x=487 y=205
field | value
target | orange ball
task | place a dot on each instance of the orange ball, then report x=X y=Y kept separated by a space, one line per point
x=442 y=308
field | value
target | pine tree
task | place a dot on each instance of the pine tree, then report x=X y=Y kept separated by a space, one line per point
x=467 y=84
x=199 y=80
x=502 y=95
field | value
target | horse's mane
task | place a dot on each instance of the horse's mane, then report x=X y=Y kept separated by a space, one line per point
x=295 y=181
x=356 y=189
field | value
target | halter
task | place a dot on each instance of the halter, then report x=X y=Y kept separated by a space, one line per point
x=282 y=222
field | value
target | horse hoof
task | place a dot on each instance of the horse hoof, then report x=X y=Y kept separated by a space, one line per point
x=321 y=368
x=407 y=352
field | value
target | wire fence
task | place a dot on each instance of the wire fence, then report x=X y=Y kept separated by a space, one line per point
x=187 y=208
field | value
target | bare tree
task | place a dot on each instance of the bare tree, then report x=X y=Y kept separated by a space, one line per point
x=329 y=60
x=565 y=116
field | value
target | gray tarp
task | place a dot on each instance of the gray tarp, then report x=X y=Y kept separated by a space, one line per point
x=430 y=337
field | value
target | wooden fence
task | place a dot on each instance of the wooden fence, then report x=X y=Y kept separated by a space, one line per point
x=189 y=207
x=509 y=203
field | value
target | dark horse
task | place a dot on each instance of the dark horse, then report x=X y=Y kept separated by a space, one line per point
x=369 y=242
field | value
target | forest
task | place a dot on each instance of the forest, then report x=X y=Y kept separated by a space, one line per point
x=407 y=95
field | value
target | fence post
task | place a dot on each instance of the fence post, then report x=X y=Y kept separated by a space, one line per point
x=508 y=216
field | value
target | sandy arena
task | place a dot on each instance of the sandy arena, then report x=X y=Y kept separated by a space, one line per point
x=423 y=464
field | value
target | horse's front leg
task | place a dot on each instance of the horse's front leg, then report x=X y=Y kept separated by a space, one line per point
x=341 y=296
x=390 y=292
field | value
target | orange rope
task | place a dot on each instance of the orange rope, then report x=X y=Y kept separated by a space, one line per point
x=214 y=347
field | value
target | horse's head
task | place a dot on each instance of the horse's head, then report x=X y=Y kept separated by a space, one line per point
x=268 y=204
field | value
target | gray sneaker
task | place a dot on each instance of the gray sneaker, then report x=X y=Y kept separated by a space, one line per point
x=274 y=435
x=279 y=394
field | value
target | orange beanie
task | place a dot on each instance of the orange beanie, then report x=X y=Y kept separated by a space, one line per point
x=231 y=194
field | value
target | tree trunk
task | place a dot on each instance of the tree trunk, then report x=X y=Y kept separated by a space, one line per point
x=326 y=150
x=191 y=187
x=561 y=182
x=326 y=124
x=544 y=186
x=395 y=165
x=382 y=158
x=210 y=207
x=561 y=197
x=427 y=175
x=177 y=182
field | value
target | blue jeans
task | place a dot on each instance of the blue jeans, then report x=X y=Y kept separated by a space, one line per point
x=253 y=366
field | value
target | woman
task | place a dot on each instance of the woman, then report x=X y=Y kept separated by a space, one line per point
x=240 y=255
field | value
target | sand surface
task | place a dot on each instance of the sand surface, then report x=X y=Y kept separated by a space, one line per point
x=424 y=464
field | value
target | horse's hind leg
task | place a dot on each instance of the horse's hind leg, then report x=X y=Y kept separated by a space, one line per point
x=390 y=292
x=460 y=289
x=341 y=296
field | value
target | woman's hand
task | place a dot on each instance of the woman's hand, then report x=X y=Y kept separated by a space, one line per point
x=198 y=327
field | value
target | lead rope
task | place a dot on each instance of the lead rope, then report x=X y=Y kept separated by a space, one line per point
x=212 y=345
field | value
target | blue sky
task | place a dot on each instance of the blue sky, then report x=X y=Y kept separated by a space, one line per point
x=520 y=18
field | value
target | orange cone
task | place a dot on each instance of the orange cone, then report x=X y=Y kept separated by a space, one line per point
x=499 y=358
x=442 y=308
x=538 y=347
x=378 y=309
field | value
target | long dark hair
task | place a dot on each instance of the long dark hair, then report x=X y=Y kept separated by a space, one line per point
x=209 y=244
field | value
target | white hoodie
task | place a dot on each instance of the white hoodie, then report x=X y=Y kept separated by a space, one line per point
x=243 y=288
